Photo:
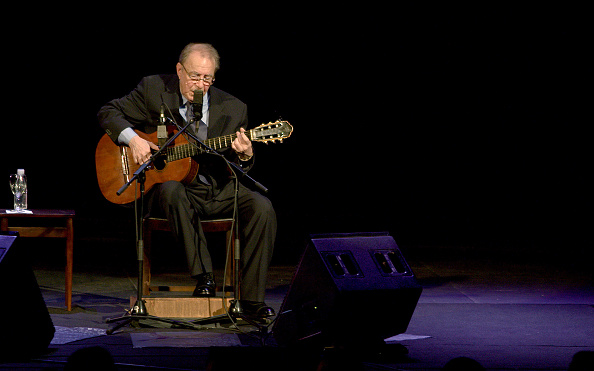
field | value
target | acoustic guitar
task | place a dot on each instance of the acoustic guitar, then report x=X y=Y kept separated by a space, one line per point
x=115 y=165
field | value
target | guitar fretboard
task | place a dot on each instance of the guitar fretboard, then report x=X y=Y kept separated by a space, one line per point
x=188 y=150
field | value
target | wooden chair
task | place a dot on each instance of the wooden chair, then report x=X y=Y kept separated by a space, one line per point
x=152 y=224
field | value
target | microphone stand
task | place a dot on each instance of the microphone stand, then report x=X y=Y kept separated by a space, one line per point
x=138 y=311
x=236 y=168
x=235 y=309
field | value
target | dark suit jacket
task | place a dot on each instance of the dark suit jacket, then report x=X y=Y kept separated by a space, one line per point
x=141 y=109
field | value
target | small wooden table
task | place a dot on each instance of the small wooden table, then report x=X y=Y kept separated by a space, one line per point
x=66 y=232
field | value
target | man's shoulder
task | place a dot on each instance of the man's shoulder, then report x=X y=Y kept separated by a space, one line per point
x=219 y=96
x=165 y=81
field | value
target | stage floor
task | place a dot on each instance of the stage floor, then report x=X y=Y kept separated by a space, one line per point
x=506 y=308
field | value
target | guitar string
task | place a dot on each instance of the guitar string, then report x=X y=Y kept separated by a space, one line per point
x=209 y=142
x=188 y=150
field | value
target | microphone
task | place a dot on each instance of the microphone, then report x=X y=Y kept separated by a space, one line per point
x=162 y=115
x=197 y=105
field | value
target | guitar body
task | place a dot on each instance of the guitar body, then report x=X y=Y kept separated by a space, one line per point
x=115 y=166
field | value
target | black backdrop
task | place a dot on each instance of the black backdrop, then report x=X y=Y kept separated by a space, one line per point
x=442 y=125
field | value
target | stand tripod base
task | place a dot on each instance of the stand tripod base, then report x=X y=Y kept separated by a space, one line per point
x=163 y=309
x=237 y=314
x=139 y=314
x=136 y=320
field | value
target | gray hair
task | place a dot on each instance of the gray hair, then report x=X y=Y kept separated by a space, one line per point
x=205 y=50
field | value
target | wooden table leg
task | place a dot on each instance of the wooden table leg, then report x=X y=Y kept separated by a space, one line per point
x=69 y=262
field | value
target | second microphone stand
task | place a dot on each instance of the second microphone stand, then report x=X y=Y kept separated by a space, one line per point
x=235 y=310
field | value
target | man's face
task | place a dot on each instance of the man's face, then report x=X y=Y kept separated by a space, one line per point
x=195 y=67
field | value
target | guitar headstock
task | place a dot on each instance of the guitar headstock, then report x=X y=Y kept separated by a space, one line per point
x=272 y=131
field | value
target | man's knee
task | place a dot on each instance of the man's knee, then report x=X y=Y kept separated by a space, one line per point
x=171 y=192
x=261 y=208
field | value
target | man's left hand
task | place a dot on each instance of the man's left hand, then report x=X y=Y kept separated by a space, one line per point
x=242 y=145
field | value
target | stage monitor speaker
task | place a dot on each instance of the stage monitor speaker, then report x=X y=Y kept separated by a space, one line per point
x=26 y=328
x=349 y=289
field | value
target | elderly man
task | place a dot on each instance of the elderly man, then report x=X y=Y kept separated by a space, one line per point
x=211 y=193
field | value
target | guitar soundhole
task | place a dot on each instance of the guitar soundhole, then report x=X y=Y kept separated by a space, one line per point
x=160 y=162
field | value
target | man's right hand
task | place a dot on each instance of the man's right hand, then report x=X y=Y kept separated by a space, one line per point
x=141 y=149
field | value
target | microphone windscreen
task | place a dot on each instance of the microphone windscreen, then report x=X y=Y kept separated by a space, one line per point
x=198 y=94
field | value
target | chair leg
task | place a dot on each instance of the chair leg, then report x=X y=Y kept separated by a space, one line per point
x=230 y=272
x=146 y=262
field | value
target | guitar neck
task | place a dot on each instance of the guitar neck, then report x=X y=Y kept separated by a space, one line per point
x=224 y=141
x=188 y=150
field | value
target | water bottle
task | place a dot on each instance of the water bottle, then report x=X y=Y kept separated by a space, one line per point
x=20 y=203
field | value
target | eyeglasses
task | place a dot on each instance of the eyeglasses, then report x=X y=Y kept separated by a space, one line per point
x=195 y=78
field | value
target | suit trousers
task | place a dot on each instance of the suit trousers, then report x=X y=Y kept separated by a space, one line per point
x=185 y=205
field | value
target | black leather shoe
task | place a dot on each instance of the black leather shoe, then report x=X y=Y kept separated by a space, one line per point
x=205 y=286
x=256 y=309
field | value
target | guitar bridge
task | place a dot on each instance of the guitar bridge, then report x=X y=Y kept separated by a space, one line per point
x=125 y=163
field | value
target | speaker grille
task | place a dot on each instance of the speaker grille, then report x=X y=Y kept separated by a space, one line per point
x=391 y=262
x=342 y=264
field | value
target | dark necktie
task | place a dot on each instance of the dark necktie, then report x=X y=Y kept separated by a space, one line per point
x=202 y=132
